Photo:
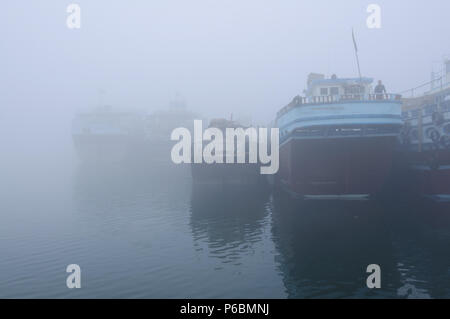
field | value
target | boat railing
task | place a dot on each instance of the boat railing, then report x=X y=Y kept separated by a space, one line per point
x=300 y=101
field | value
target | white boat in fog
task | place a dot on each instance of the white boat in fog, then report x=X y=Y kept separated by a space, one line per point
x=156 y=144
x=106 y=134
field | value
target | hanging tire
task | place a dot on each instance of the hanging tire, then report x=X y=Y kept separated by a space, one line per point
x=433 y=134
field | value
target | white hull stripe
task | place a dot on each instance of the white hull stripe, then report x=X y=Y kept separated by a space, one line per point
x=342 y=117
x=427 y=168
x=337 y=197
x=335 y=137
x=439 y=197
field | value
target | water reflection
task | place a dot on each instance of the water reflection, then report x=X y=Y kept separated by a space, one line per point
x=132 y=224
x=229 y=220
x=142 y=230
x=131 y=190
x=420 y=234
x=218 y=241
x=325 y=247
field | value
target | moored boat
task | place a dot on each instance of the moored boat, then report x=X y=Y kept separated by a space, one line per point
x=238 y=174
x=425 y=140
x=105 y=134
x=156 y=144
x=339 y=140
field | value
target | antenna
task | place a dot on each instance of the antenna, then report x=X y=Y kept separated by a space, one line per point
x=356 y=54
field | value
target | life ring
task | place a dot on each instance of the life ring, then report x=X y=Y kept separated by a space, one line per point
x=433 y=134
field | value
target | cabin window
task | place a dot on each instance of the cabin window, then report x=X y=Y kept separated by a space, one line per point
x=323 y=91
x=354 y=89
x=334 y=91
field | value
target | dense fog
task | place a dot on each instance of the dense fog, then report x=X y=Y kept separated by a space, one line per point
x=241 y=59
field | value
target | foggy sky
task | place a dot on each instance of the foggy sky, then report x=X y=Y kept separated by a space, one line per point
x=244 y=57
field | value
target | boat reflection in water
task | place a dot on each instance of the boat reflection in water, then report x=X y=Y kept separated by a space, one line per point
x=325 y=248
x=151 y=231
x=230 y=220
x=234 y=250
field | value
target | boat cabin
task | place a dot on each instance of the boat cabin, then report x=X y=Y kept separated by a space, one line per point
x=318 y=85
x=338 y=90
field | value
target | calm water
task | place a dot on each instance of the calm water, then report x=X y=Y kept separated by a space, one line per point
x=144 y=231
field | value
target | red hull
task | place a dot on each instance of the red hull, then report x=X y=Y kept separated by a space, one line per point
x=344 y=166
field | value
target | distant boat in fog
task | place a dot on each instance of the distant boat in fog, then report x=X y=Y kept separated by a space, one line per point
x=238 y=174
x=106 y=134
x=158 y=126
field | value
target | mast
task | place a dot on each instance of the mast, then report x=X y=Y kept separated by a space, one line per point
x=357 y=57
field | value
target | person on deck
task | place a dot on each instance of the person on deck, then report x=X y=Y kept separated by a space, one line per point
x=380 y=90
